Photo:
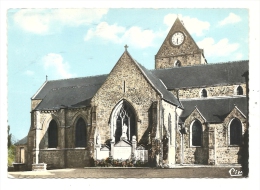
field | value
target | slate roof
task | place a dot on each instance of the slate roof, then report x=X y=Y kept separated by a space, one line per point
x=83 y=81
x=203 y=75
x=68 y=97
x=77 y=92
x=72 y=93
x=23 y=141
x=168 y=96
x=214 y=109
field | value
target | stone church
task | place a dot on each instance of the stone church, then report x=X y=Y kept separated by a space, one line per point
x=183 y=112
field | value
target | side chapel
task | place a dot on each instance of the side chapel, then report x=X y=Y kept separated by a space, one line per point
x=185 y=111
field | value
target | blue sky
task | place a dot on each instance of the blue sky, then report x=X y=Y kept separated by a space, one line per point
x=65 y=43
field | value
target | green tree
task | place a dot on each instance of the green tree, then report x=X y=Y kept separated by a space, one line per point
x=11 y=148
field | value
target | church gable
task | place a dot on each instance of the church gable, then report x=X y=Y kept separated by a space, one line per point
x=126 y=82
x=178 y=49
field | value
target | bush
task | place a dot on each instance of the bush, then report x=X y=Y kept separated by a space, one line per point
x=11 y=155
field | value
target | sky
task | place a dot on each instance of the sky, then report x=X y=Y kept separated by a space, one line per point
x=67 y=43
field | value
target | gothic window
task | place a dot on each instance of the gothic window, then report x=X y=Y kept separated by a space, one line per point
x=239 y=90
x=53 y=134
x=204 y=93
x=80 y=134
x=125 y=117
x=235 y=132
x=196 y=134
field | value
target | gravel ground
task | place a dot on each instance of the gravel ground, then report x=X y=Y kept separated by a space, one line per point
x=180 y=172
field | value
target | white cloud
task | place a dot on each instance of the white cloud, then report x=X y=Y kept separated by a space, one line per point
x=29 y=73
x=106 y=31
x=41 y=21
x=134 y=36
x=232 y=18
x=55 y=64
x=221 y=48
x=193 y=25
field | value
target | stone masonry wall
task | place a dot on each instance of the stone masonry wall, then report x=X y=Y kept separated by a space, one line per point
x=66 y=151
x=224 y=152
x=170 y=127
x=127 y=82
x=187 y=53
x=185 y=60
x=212 y=91
x=195 y=155
x=35 y=103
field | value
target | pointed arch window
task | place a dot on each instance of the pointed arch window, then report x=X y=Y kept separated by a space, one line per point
x=124 y=122
x=204 y=93
x=235 y=132
x=196 y=133
x=239 y=90
x=80 y=134
x=53 y=134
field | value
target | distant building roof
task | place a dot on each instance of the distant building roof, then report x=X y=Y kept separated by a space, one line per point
x=214 y=109
x=203 y=75
x=23 y=141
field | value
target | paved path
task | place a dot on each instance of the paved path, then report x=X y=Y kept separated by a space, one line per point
x=182 y=172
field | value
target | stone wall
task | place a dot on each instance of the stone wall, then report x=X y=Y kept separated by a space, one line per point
x=225 y=153
x=185 y=60
x=212 y=91
x=188 y=53
x=195 y=155
x=125 y=82
x=169 y=124
x=35 y=103
x=215 y=148
x=54 y=158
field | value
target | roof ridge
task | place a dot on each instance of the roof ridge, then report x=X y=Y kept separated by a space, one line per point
x=212 y=98
x=199 y=65
x=77 y=78
x=75 y=86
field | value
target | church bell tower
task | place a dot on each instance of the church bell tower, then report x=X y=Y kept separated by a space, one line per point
x=179 y=49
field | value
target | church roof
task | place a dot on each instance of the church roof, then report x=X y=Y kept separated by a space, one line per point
x=77 y=92
x=23 y=141
x=203 y=75
x=214 y=109
x=57 y=84
x=166 y=95
x=71 y=97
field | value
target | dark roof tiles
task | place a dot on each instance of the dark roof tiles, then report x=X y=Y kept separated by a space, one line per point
x=214 y=109
x=203 y=75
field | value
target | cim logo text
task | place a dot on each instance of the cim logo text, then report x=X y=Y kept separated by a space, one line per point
x=234 y=172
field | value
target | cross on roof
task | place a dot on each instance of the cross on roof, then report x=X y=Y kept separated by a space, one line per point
x=126 y=46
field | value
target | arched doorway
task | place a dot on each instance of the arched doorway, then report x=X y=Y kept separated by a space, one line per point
x=123 y=122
